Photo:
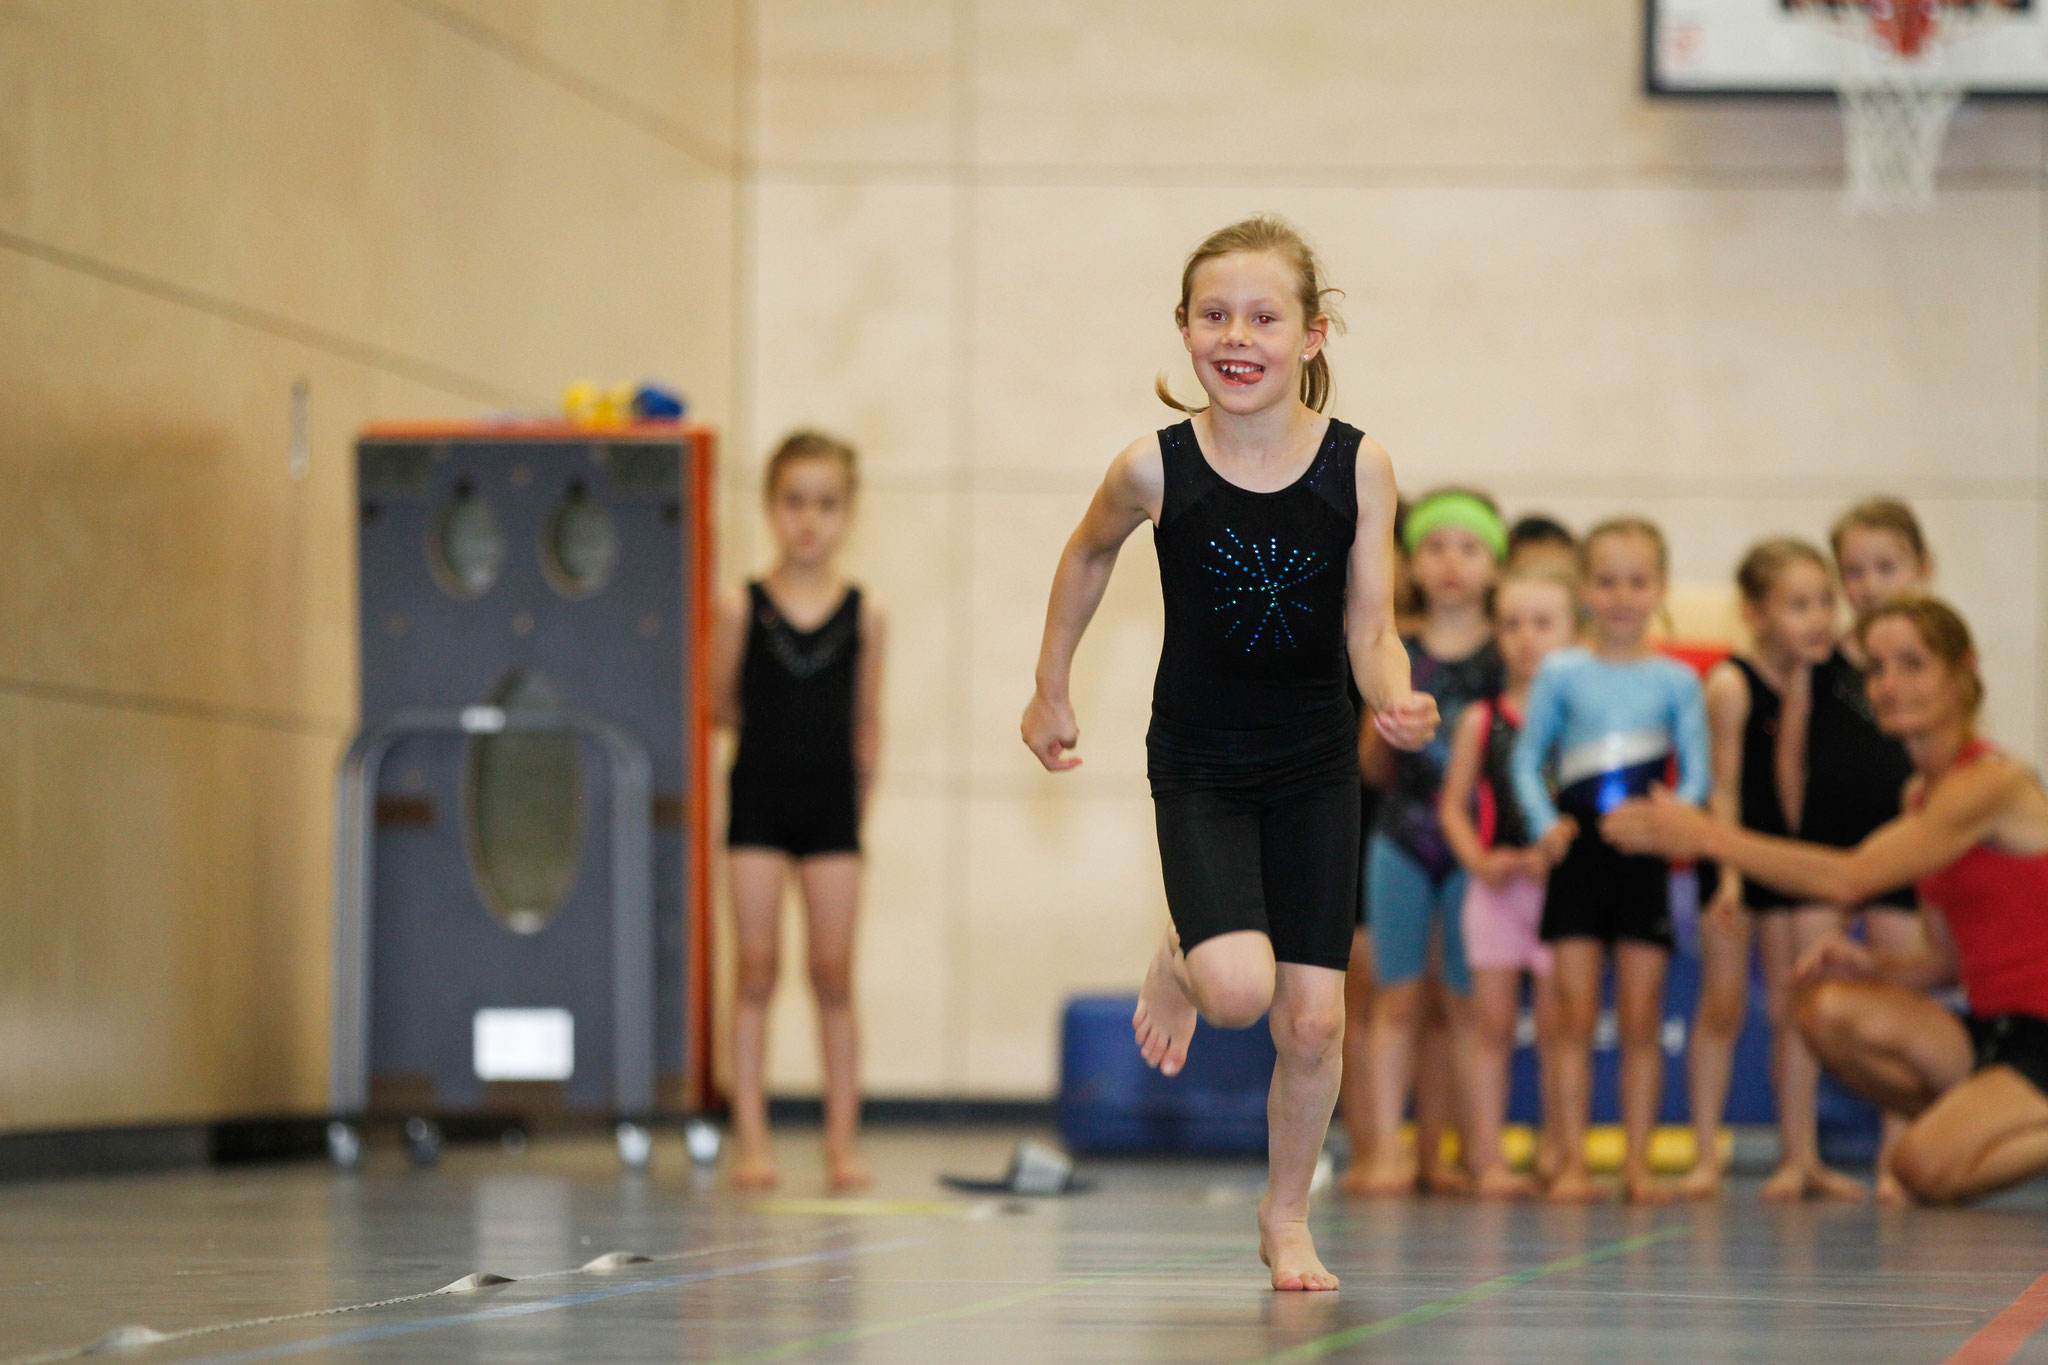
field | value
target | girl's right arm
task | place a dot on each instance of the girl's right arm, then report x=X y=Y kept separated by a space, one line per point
x=1454 y=802
x=1132 y=492
x=728 y=649
x=1727 y=716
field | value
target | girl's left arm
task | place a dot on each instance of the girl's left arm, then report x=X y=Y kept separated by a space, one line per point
x=1379 y=661
x=867 y=700
x=1695 y=748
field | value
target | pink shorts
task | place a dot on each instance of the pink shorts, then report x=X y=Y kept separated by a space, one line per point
x=1501 y=924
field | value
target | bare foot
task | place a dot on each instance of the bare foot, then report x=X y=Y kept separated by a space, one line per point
x=1380 y=1180
x=1498 y=1182
x=845 y=1172
x=753 y=1167
x=1165 y=1019
x=1824 y=1182
x=1787 y=1185
x=1891 y=1193
x=1548 y=1159
x=1645 y=1188
x=1703 y=1181
x=1574 y=1186
x=1446 y=1180
x=1286 y=1247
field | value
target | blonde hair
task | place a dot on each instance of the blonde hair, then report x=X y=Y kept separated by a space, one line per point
x=1759 y=570
x=1549 y=574
x=1627 y=526
x=1941 y=629
x=1880 y=514
x=810 y=445
x=1266 y=232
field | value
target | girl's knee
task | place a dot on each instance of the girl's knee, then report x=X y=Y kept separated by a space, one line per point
x=1721 y=1014
x=1308 y=1032
x=1233 y=996
x=755 y=979
x=832 y=982
x=1826 y=1014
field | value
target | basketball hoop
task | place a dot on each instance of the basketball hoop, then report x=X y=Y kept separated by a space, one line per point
x=1898 y=89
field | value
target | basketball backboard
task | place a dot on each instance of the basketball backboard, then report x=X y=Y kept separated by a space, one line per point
x=1768 y=47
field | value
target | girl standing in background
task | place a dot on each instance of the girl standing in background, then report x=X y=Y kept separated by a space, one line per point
x=797 y=670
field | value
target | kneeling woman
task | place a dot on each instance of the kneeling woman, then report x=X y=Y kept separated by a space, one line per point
x=1974 y=837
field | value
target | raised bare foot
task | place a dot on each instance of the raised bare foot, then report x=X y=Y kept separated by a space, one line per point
x=1891 y=1193
x=1165 y=1019
x=1498 y=1182
x=1573 y=1186
x=1703 y=1181
x=845 y=1172
x=1379 y=1179
x=1644 y=1188
x=1824 y=1182
x=1288 y=1250
x=1787 y=1185
x=753 y=1167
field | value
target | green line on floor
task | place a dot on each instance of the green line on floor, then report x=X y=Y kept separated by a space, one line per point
x=1429 y=1312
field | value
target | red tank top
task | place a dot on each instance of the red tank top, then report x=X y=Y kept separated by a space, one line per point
x=1996 y=905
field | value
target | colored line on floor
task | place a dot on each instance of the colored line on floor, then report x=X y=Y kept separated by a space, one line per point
x=1347 y=1337
x=2000 y=1339
x=359 y=1335
x=866 y=1331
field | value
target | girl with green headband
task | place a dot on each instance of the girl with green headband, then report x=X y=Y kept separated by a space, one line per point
x=1455 y=541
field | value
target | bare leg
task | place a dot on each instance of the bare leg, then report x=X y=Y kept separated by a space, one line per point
x=1437 y=1068
x=1639 y=970
x=1308 y=1033
x=1982 y=1135
x=1577 y=975
x=1396 y=1020
x=832 y=900
x=1496 y=1001
x=1724 y=1001
x=1894 y=1045
x=757 y=880
x=1795 y=1071
x=1354 y=1098
x=1897 y=932
x=1549 y=1147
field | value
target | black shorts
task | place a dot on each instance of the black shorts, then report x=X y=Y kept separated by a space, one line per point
x=2019 y=1041
x=1600 y=892
x=1286 y=866
x=802 y=819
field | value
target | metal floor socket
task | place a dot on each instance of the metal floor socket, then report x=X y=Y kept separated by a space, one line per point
x=1157 y=1264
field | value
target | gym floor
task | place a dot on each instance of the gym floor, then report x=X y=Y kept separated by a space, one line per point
x=1155 y=1264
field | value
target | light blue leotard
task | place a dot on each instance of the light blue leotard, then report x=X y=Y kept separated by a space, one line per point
x=1610 y=728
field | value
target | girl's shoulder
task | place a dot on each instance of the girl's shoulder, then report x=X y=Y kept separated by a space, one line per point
x=1561 y=664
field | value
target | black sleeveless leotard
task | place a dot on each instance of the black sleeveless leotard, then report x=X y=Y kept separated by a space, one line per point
x=1252 y=750
x=1854 y=773
x=793 y=783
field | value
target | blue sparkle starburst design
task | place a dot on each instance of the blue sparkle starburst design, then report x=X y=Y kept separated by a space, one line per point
x=1255 y=584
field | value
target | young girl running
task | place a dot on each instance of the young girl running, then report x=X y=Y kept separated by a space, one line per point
x=1455 y=541
x=1881 y=555
x=1612 y=717
x=1537 y=614
x=1792 y=755
x=1974 y=1091
x=1273 y=529
x=797 y=669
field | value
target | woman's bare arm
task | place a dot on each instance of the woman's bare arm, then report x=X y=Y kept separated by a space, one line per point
x=1961 y=811
x=1727 y=717
x=1379 y=661
x=1132 y=492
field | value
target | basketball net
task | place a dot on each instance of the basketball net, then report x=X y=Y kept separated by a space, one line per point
x=1897 y=92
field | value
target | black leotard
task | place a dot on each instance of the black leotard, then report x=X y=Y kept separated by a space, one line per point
x=1854 y=773
x=793 y=778
x=1252 y=672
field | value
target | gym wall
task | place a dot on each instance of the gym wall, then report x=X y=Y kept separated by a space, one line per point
x=966 y=227
x=419 y=208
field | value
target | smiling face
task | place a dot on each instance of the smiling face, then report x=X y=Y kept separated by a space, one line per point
x=1536 y=616
x=1797 y=617
x=1624 y=588
x=1878 y=566
x=1913 y=690
x=1246 y=332
x=1452 y=568
x=809 y=509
